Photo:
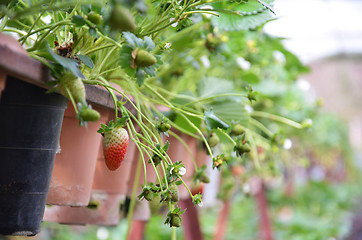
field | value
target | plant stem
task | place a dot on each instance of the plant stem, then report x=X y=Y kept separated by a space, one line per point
x=3 y=23
x=202 y=11
x=254 y=153
x=227 y=136
x=36 y=21
x=109 y=39
x=261 y=127
x=98 y=48
x=133 y=198
x=186 y=146
x=276 y=118
x=136 y=141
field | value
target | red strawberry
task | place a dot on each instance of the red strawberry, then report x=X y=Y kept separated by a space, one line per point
x=115 y=144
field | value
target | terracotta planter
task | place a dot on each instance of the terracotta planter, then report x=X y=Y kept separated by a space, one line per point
x=108 y=190
x=74 y=167
x=106 y=213
x=178 y=152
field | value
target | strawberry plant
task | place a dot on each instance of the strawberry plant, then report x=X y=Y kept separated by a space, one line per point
x=220 y=82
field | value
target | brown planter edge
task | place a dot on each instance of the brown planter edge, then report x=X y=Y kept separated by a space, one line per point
x=20 y=65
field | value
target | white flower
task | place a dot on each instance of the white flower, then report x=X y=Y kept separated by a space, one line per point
x=182 y=171
x=303 y=85
x=205 y=61
x=242 y=63
x=173 y=24
x=248 y=108
x=167 y=45
x=246 y=188
x=200 y=204
x=287 y=144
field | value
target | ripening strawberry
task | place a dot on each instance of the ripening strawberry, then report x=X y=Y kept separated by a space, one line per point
x=115 y=144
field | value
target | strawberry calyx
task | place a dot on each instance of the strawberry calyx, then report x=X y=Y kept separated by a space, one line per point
x=119 y=122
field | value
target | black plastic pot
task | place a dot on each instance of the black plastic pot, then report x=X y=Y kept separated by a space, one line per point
x=30 y=124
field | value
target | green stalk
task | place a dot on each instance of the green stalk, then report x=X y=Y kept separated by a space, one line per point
x=200 y=133
x=202 y=11
x=255 y=155
x=261 y=127
x=109 y=39
x=139 y=149
x=98 y=48
x=276 y=118
x=186 y=146
x=228 y=137
x=63 y=22
x=3 y=23
x=36 y=21
x=134 y=196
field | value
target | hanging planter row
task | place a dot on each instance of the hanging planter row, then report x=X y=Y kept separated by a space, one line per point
x=48 y=159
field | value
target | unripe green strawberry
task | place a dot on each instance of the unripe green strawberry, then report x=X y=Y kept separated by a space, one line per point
x=156 y=159
x=144 y=58
x=241 y=148
x=175 y=220
x=122 y=19
x=75 y=86
x=213 y=140
x=148 y=195
x=174 y=195
x=237 y=130
x=89 y=115
x=94 y=18
x=204 y=178
x=115 y=144
x=163 y=127
x=155 y=204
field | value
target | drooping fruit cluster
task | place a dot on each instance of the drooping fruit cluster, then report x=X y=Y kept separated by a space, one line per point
x=241 y=146
x=115 y=142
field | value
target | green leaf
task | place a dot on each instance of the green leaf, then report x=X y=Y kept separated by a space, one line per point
x=149 y=44
x=165 y=148
x=86 y=60
x=236 y=23
x=150 y=71
x=140 y=77
x=93 y=33
x=209 y=87
x=231 y=111
x=67 y=63
x=78 y=21
x=132 y=39
x=252 y=15
x=213 y=122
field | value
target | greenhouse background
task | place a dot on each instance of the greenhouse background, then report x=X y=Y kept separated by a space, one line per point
x=301 y=71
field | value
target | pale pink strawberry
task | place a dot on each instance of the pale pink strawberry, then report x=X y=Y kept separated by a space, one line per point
x=115 y=144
